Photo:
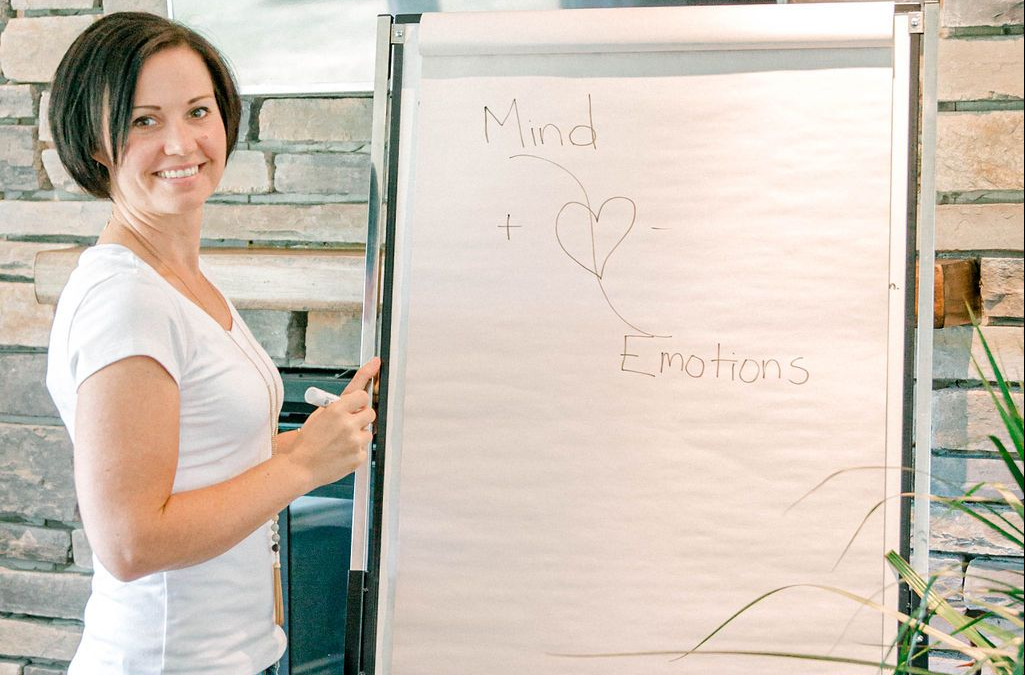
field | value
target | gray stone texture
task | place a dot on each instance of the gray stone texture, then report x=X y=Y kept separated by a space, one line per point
x=36 y=479
x=963 y=419
x=949 y=584
x=158 y=7
x=17 y=158
x=28 y=542
x=979 y=151
x=272 y=329
x=31 y=48
x=968 y=227
x=956 y=346
x=981 y=69
x=51 y=4
x=23 y=322
x=24 y=389
x=10 y=667
x=44 y=121
x=54 y=595
x=959 y=13
x=333 y=339
x=31 y=669
x=16 y=100
x=17 y=258
x=344 y=224
x=326 y=173
x=59 y=177
x=954 y=476
x=988 y=580
x=32 y=638
x=1000 y=281
x=316 y=119
x=953 y=531
x=82 y=552
x=247 y=172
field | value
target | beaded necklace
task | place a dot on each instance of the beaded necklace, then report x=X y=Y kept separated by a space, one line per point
x=267 y=376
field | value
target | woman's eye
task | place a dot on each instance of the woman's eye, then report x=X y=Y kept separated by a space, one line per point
x=200 y=112
x=143 y=122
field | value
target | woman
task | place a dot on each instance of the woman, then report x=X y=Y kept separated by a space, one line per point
x=169 y=400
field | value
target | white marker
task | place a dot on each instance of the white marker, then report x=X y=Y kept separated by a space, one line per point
x=319 y=397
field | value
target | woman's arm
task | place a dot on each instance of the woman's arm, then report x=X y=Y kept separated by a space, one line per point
x=126 y=455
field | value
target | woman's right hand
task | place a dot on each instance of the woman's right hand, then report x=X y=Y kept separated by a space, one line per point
x=334 y=440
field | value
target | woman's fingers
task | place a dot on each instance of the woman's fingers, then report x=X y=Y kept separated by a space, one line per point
x=363 y=376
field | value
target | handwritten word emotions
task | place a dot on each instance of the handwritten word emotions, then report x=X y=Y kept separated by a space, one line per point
x=642 y=356
x=537 y=135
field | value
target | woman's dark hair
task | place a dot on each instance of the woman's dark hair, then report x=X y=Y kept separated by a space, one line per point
x=99 y=73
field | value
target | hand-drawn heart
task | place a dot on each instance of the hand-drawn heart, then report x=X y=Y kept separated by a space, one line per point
x=602 y=234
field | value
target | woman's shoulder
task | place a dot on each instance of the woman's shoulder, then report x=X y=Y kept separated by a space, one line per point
x=111 y=278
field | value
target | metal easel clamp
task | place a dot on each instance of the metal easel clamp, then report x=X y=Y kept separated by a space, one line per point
x=916 y=23
x=398 y=34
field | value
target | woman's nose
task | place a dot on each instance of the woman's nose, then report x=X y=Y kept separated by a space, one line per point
x=179 y=139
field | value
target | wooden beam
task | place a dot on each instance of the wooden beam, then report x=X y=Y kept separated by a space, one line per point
x=283 y=279
x=955 y=289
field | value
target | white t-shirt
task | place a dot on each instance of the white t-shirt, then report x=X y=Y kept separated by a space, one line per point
x=214 y=618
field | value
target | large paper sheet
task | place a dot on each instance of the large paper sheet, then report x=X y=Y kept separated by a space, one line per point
x=646 y=302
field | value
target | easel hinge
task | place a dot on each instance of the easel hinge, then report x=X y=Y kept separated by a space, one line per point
x=916 y=24
x=398 y=34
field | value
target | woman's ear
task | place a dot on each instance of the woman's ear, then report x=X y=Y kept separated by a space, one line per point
x=101 y=159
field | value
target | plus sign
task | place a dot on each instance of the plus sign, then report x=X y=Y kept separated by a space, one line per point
x=507 y=227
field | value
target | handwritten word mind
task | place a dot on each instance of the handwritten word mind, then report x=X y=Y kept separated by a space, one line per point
x=509 y=127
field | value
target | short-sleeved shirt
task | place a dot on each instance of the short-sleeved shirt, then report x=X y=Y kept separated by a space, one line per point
x=214 y=618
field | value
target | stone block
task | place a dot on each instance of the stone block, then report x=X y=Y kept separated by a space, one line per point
x=963 y=419
x=968 y=227
x=947 y=568
x=31 y=49
x=70 y=218
x=51 y=4
x=344 y=224
x=247 y=173
x=272 y=329
x=1000 y=283
x=24 y=389
x=961 y=13
x=986 y=578
x=326 y=173
x=954 y=348
x=970 y=70
x=16 y=100
x=980 y=151
x=39 y=639
x=36 y=479
x=55 y=595
x=953 y=476
x=17 y=158
x=81 y=551
x=44 y=120
x=10 y=668
x=17 y=258
x=333 y=339
x=316 y=119
x=952 y=531
x=59 y=177
x=158 y=7
x=31 y=669
x=27 y=542
x=23 y=321
x=334 y=223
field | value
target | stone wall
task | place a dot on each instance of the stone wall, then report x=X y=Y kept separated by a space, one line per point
x=298 y=182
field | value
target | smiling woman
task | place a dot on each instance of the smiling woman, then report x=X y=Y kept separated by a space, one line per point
x=178 y=497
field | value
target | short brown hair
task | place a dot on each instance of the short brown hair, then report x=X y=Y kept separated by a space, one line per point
x=101 y=68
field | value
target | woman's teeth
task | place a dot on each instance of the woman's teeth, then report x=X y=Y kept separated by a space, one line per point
x=179 y=173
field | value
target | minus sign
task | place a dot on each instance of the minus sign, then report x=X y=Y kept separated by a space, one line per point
x=660 y=228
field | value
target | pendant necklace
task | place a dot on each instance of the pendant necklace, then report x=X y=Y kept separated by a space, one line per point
x=267 y=377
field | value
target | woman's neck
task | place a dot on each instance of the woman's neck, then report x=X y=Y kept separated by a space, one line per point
x=173 y=240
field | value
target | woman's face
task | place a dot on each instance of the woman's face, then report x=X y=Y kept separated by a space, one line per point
x=176 y=148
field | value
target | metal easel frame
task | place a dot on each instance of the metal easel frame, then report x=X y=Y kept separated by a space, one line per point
x=923 y=27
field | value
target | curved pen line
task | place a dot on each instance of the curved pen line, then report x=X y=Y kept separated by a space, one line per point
x=587 y=203
x=559 y=239
x=633 y=220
